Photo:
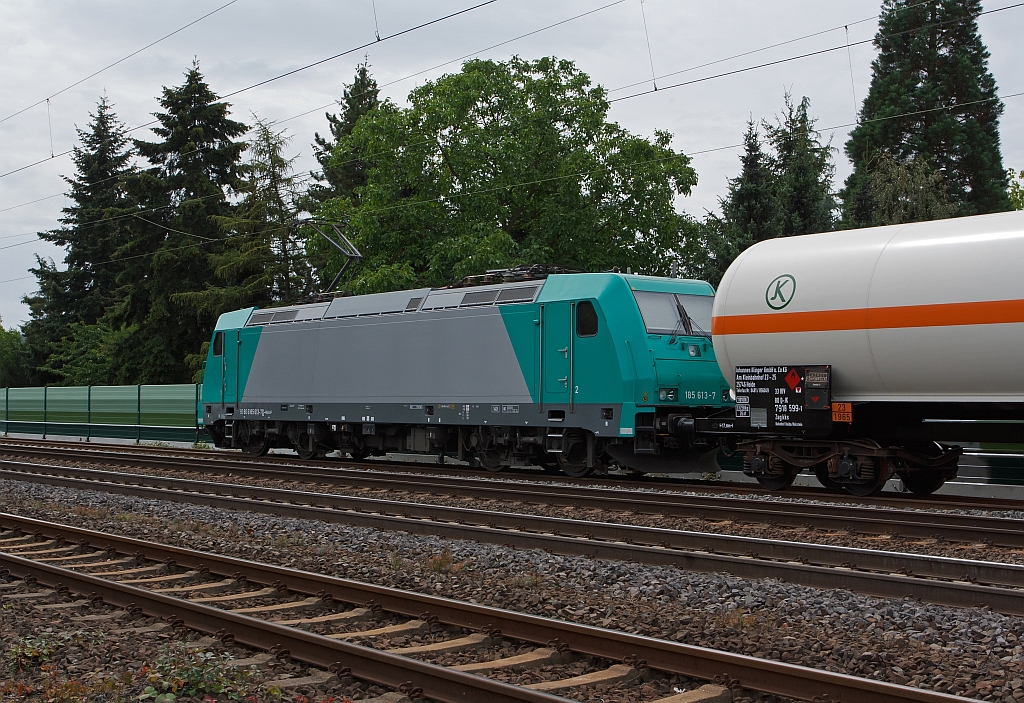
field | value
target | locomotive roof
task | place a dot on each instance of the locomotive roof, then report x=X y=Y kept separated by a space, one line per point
x=555 y=287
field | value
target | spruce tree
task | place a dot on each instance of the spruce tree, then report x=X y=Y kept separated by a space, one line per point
x=263 y=261
x=342 y=172
x=179 y=235
x=93 y=228
x=932 y=96
x=803 y=170
x=751 y=208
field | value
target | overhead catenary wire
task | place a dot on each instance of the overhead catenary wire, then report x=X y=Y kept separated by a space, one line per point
x=765 y=48
x=812 y=53
x=362 y=46
x=533 y=182
x=289 y=73
x=461 y=58
x=121 y=60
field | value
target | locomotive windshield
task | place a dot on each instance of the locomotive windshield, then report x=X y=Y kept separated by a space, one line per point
x=674 y=313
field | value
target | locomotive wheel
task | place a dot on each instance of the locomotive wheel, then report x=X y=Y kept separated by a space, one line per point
x=358 y=454
x=821 y=473
x=303 y=450
x=922 y=484
x=258 y=445
x=573 y=460
x=492 y=460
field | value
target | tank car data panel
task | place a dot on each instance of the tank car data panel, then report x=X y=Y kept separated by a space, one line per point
x=784 y=399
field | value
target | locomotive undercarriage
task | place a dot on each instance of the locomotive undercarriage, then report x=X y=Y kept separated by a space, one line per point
x=861 y=467
x=576 y=452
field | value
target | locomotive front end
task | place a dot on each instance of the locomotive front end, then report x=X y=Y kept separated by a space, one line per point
x=678 y=381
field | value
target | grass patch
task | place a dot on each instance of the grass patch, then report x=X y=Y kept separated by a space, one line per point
x=526 y=581
x=445 y=563
x=182 y=672
x=30 y=652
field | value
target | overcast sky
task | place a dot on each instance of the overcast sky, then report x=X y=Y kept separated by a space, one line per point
x=46 y=46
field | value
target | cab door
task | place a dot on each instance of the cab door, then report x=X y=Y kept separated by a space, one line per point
x=213 y=371
x=556 y=352
x=231 y=344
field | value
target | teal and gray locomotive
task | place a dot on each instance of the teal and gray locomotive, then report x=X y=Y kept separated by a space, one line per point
x=571 y=371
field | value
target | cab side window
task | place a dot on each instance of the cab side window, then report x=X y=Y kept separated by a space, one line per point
x=218 y=344
x=586 y=319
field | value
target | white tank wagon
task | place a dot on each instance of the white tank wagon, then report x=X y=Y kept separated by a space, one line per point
x=919 y=333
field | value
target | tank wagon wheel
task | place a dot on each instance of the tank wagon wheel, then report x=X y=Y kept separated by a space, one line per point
x=872 y=485
x=922 y=484
x=777 y=482
x=781 y=474
x=573 y=459
x=821 y=473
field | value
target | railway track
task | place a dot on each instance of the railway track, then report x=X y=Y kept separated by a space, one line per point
x=320 y=620
x=228 y=461
x=842 y=517
x=945 y=581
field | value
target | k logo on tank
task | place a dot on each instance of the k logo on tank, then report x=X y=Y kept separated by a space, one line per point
x=780 y=292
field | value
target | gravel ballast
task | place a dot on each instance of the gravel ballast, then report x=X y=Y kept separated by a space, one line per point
x=886 y=541
x=970 y=652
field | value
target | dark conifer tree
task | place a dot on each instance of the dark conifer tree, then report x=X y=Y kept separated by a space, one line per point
x=342 y=172
x=750 y=211
x=804 y=171
x=176 y=239
x=751 y=208
x=932 y=61
x=93 y=228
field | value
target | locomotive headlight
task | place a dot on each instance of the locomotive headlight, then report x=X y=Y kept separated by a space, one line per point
x=667 y=394
x=732 y=394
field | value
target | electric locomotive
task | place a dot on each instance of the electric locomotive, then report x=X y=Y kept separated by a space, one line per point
x=565 y=371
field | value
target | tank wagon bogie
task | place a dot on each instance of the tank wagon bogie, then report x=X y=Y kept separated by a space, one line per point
x=568 y=371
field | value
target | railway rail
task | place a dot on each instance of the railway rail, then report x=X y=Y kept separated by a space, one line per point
x=175 y=583
x=228 y=461
x=945 y=581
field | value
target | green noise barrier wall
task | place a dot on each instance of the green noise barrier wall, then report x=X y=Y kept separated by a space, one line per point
x=159 y=412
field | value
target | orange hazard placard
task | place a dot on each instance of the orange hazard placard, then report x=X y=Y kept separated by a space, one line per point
x=842 y=412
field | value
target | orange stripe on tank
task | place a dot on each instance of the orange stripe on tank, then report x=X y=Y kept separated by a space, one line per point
x=989 y=312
